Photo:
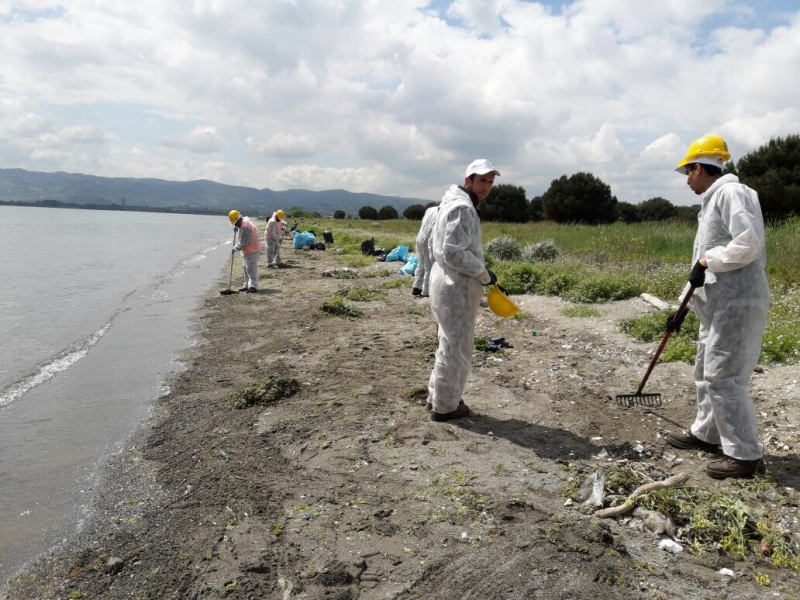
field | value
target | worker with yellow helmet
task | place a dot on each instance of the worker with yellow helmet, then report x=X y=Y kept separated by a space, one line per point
x=273 y=235
x=731 y=299
x=250 y=247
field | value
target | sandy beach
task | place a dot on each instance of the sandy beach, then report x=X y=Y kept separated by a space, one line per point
x=345 y=489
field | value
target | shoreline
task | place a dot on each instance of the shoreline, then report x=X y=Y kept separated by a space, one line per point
x=65 y=430
x=347 y=490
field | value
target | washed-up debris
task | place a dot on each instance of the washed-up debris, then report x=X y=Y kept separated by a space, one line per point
x=593 y=490
x=341 y=273
x=726 y=572
x=670 y=546
x=655 y=521
x=273 y=389
x=627 y=506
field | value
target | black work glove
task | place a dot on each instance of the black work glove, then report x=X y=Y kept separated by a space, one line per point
x=674 y=321
x=698 y=275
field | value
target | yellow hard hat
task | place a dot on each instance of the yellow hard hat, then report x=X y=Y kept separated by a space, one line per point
x=500 y=304
x=234 y=216
x=709 y=149
x=280 y=214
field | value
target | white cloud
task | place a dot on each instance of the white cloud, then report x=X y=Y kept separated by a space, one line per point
x=200 y=140
x=314 y=177
x=392 y=98
x=283 y=145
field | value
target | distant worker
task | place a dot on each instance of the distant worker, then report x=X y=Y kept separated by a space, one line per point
x=273 y=235
x=422 y=276
x=731 y=300
x=250 y=247
x=457 y=275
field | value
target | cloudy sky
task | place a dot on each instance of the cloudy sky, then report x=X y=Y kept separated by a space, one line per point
x=393 y=96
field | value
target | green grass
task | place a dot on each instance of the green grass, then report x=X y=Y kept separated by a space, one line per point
x=360 y=294
x=394 y=284
x=609 y=262
x=580 y=311
x=337 y=306
x=651 y=327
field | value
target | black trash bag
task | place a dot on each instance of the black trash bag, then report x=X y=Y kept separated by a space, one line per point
x=318 y=246
x=368 y=247
x=328 y=237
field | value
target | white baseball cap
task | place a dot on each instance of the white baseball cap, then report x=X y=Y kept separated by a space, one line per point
x=481 y=166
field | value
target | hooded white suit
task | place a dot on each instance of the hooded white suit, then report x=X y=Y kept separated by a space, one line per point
x=732 y=308
x=422 y=276
x=455 y=292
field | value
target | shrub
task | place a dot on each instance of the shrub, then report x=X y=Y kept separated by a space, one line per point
x=605 y=286
x=521 y=279
x=504 y=247
x=651 y=327
x=543 y=251
x=557 y=283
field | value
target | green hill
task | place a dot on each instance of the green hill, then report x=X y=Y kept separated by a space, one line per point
x=29 y=187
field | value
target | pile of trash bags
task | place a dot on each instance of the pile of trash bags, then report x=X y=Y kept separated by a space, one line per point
x=306 y=239
x=398 y=253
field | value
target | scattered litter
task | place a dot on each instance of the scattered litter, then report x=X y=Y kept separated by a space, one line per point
x=639 y=448
x=670 y=546
x=593 y=490
x=533 y=333
x=464 y=536
x=655 y=521
x=603 y=454
x=726 y=573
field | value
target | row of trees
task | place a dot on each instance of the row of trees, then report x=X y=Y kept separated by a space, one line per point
x=773 y=170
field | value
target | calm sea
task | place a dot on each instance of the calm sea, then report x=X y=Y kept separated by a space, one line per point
x=94 y=309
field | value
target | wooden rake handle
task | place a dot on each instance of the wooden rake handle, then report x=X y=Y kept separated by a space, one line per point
x=682 y=309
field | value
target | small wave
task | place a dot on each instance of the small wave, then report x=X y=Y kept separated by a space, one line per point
x=160 y=296
x=50 y=369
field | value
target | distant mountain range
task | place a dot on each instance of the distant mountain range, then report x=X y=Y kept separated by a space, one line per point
x=53 y=189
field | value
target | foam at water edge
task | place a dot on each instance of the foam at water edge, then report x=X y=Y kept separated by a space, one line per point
x=53 y=367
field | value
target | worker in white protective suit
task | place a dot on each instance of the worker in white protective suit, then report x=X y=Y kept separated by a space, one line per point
x=273 y=235
x=250 y=248
x=731 y=300
x=457 y=275
x=422 y=276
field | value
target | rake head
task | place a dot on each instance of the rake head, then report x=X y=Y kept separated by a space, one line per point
x=648 y=400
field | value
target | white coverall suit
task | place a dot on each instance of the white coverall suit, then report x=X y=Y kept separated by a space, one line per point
x=732 y=309
x=422 y=276
x=273 y=235
x=250 y=247
x=456 y=293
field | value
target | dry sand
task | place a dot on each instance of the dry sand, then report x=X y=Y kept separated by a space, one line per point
x=347 y=490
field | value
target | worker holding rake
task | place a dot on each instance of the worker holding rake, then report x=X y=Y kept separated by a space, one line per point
x=250 y=248
x=731 y=299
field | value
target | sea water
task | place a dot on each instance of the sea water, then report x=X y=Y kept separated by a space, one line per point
x=94 y=310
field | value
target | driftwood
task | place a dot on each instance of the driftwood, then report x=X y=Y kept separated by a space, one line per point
x=657 y=302
x=627 y=506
